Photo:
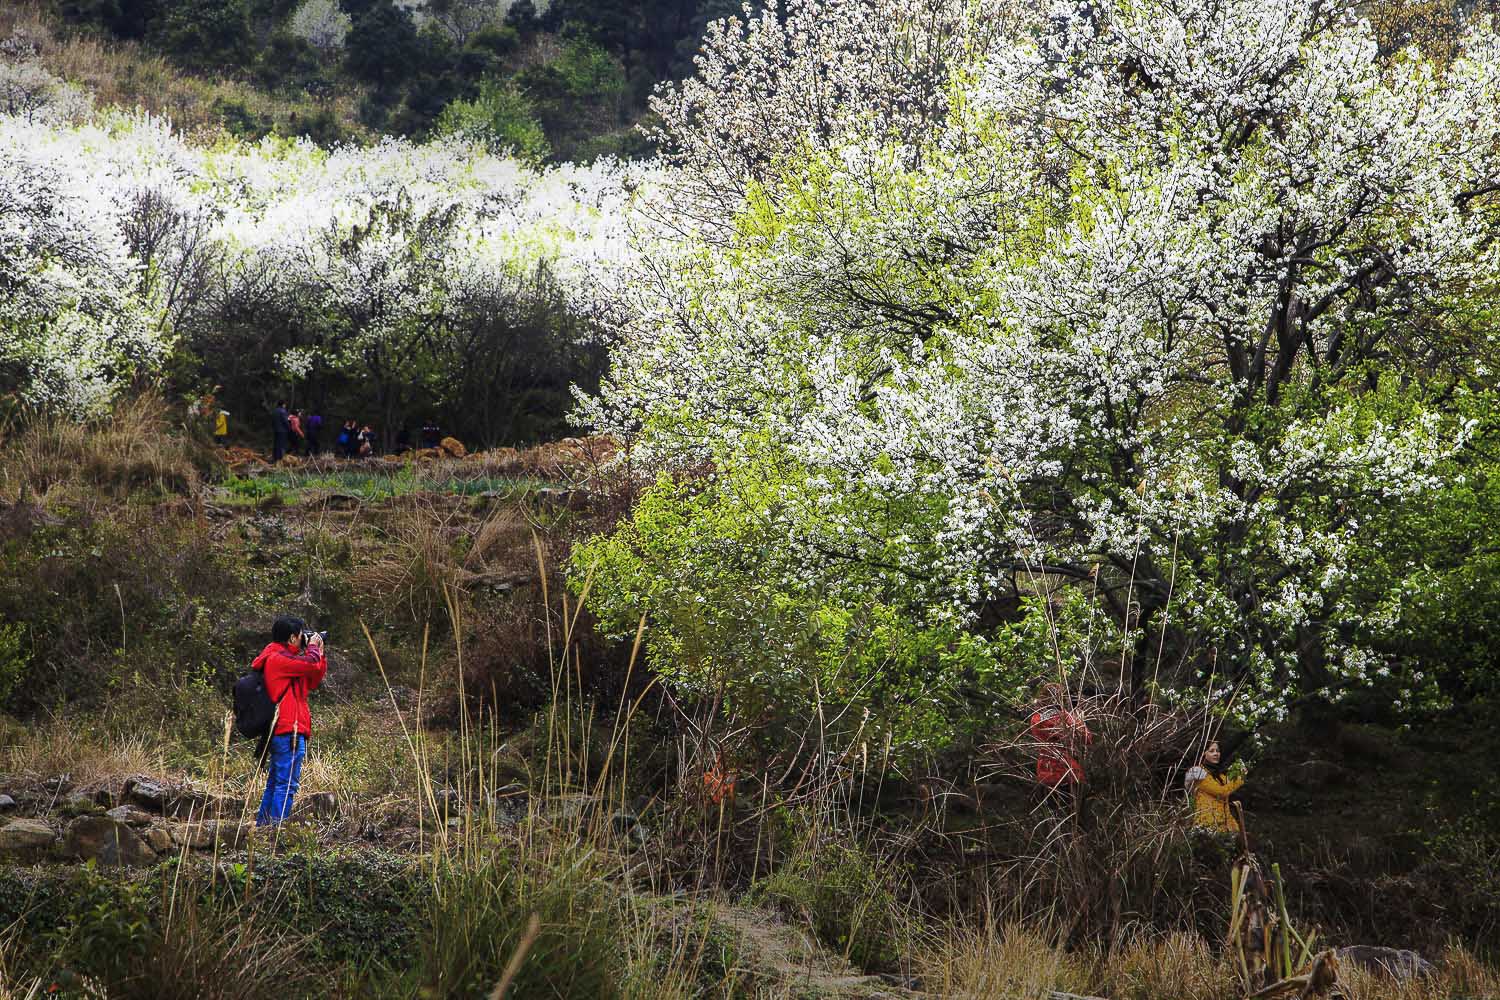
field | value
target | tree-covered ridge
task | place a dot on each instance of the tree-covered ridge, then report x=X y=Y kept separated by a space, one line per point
x=1148 y=340
x=574 y=73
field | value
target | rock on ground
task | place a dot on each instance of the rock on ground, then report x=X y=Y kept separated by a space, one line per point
x=105 y=841
x=129 y=815
x=202 y=836
x=317 y=804
x=1400 y=964
x=167 y=799
x=158 y=838
x=25 y=837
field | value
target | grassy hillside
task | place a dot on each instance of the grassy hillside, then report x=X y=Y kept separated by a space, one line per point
x=131 y=74
x=566 y=82
x=498 y=795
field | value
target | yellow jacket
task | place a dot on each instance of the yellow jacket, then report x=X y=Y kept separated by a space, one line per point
x=1210 y=797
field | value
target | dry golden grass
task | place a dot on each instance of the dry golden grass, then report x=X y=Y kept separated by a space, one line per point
x=125 y=74
x=1012 y=962
x=1007 y=963
x=570 y=459
x=60 y=746
x=1460 y=975
x=414 y=570
x=132 y=449
x=1170 y=967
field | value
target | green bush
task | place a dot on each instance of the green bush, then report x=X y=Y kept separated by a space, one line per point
x=207 y=33
x=844 y=894
x=477 y=914
x=290 y=62
x=501 y=117
x=15 y=656
x=285 y=928
x=240 y=120
x=113 y=601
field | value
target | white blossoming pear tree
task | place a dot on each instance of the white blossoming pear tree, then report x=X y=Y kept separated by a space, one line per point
x=1100 y=364
x=74 y=326
x=122 y=242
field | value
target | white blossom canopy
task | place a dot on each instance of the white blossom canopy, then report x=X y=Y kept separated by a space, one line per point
x=1156 y=297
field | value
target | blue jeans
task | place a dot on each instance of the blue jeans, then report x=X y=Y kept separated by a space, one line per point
x=284 y=774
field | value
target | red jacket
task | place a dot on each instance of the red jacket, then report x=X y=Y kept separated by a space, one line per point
x=1057 y=732
x=290 y=677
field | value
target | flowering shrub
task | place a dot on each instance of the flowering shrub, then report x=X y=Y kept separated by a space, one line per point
x=116 y=237
x=1157 y=305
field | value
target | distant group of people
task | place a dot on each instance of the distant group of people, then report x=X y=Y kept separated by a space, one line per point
x=301 y=432
x=356 y=440
x=1061 y=736
x=295 y=432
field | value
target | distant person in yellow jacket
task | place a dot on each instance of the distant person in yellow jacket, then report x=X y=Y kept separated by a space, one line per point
x=1208 y=788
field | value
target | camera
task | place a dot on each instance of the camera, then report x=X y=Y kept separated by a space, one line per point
x=307 y=635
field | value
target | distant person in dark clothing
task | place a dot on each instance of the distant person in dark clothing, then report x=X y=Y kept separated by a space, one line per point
x=366 y=441
x=431 y=436
x=281 y=429
x=347 y=435
x=313 y=428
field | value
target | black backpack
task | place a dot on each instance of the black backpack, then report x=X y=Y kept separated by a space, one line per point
x=253 y=708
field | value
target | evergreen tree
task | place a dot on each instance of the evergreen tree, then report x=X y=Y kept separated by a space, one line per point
x=382 y=47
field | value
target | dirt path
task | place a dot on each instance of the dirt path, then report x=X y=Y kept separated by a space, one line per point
x=791 y=964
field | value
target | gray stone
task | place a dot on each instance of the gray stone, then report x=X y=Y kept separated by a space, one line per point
x=195 y=836
x=572 y=805
x=129 y=815
x=78 y=804
x=6 y=803
x=1399 y=964
x=25 y=836
x=167 y=799
x=147 y=793
x=159 y=839
x=189 y=802
x=106 y=842
x=627 y=824
x=202 y=836
x=109 y=793
x=449 y=802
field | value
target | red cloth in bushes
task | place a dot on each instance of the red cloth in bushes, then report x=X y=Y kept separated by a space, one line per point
x=1057 y=732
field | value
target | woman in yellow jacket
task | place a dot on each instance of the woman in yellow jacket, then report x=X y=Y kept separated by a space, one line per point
x=1209 y=789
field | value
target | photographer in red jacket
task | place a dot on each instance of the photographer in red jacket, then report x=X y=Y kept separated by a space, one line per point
x=294 y=666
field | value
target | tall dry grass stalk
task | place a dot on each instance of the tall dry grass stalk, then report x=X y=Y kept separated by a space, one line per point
x=14 y=984
x=564 y=867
